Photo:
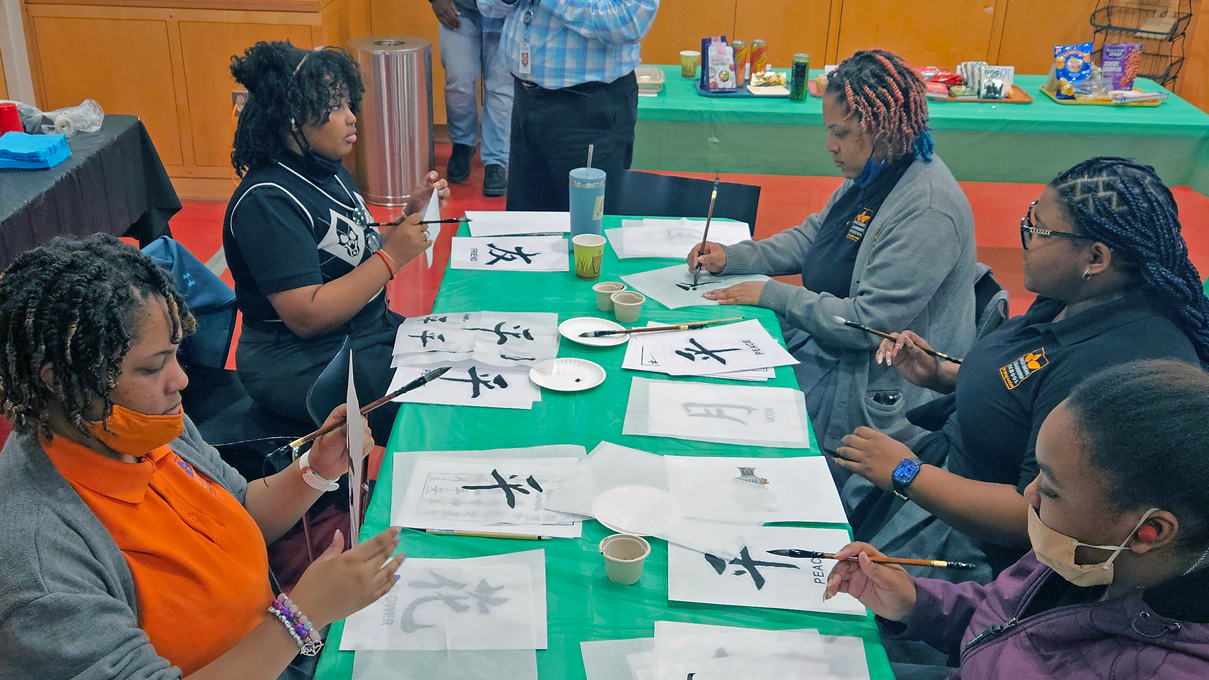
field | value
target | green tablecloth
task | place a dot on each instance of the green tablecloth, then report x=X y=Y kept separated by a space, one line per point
x=582 y=603
x=680 y=130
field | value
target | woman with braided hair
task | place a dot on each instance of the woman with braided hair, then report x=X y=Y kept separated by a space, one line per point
x=1104 y=253
x=309 y=269
x=130 y=549
x=860 y=258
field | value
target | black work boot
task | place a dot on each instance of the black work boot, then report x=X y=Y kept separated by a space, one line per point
x=459 y=164
x=495 y=180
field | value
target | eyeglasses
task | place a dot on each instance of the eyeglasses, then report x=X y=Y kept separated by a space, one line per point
x=1028 y=230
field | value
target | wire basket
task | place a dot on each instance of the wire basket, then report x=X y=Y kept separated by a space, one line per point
x=1143 y=22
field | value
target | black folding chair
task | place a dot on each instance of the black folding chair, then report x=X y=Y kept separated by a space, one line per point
x=647 y=194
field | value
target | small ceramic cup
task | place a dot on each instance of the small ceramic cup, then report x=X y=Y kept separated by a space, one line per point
x=604 y=294
x=627 y=304
x=624 y=555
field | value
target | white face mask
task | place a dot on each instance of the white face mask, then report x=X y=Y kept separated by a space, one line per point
x=1056 y=550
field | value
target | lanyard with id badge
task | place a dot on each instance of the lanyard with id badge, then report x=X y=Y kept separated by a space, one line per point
x=526 y=66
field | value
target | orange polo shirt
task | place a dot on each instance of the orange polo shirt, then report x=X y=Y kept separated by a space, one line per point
x=199 y=562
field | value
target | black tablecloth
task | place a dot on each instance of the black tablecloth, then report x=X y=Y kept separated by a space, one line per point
x=113 y=182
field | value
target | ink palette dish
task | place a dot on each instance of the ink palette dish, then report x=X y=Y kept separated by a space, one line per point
x=567 y=374
x=571 y=328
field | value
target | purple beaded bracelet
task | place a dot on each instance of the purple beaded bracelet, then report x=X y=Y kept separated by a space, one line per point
x=300 y=628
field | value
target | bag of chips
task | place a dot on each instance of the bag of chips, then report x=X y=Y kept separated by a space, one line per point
x=1072 y=65
x=718 y=65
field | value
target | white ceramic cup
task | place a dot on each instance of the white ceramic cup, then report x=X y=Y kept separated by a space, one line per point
x=627 y=304
x=624 y=555
x=604 y=294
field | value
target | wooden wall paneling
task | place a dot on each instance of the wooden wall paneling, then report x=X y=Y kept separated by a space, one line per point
x=789 y=27
x=413 y=18
x=206 y=48
x=1193 y=83
x=3 y=82
x=996 y=39
x=343 y=20
x=940 y=33
x=124 y=64
x=1031 y=28
x=220 y=5
x=681 y=24
x=833 y=32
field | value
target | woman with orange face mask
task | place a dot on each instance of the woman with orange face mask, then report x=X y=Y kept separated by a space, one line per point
x=131 y=550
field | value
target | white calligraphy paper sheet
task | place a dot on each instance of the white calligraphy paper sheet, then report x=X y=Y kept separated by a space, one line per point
x=672 y=238
x=639 y=358
x=516 y=222
x=511 y=253
x=432 y=213
x=355 y=432
x=516 y=340
x=802 y=485
x=484 y=494
x=473 y=386
x=683 y=648
x=673 y=286
x=757 y=579
x=714 y=349
x=481 y=603
x=728 y=414
x=447 y=665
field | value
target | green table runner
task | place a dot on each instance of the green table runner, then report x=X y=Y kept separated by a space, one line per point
x=681 y=130
x=582 y=604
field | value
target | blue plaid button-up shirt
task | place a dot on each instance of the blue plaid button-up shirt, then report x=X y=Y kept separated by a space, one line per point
x=573 y=41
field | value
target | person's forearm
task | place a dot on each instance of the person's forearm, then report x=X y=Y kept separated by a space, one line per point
x=609 y=21
x=332 y=304
x=996 y=513
x=261 y=655
x=946 y=378
x=277 y=502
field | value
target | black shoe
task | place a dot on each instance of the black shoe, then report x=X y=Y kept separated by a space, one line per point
x=495 y=180
x=459 y=164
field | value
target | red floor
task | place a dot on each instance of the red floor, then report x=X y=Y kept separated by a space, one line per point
x=784 y=201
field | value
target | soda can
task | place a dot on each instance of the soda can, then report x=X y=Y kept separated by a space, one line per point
x=759 y=56
x=741 y=55
x=798 y=76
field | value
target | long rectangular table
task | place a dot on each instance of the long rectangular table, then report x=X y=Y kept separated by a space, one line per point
x=682 y=131
x=582 y=603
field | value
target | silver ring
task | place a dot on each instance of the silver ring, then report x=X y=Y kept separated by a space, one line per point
x=426 y=236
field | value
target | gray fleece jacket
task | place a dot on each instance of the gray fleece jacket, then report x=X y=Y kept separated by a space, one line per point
x=67 y=598
x=914 y=270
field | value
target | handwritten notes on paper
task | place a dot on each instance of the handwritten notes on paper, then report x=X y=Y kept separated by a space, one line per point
x=516 y=222
x=673 y=286
x=511 y=253
x=729 y=414
x=758 y=579
x=482 y=603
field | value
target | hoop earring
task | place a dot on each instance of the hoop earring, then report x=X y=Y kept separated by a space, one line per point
x=1087 y=274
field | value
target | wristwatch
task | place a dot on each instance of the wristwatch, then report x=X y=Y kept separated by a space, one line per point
x=311 y=477
x=903 y=475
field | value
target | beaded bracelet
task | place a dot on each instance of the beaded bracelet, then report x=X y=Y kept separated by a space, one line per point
x=300 y=628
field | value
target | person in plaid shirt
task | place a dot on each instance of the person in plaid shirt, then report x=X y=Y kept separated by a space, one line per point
x=573 y=63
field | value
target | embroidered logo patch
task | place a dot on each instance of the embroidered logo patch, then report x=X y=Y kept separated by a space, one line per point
x=1019 y=370
x=860 y=223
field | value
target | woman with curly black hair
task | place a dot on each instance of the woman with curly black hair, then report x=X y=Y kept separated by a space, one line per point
x=130 y=550
x=308 y=268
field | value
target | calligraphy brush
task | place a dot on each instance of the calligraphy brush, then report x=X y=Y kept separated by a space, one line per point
x=428 y=377
x=451 y=220
x=814 y=554
x=852 y=324
x=696 y=325
x=713 y=196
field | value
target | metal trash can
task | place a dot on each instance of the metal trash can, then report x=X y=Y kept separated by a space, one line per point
x=395 y=148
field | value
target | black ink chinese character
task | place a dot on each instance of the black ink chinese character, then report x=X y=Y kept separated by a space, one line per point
x=508 y=487
x=483 y=596
x=722 y=411
x=476 y=381
x=698 y=351
x=748 y=566
x=503 y=255
x=503 y=335
x=435 y=319
x=425 y=336
x=690 y=287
